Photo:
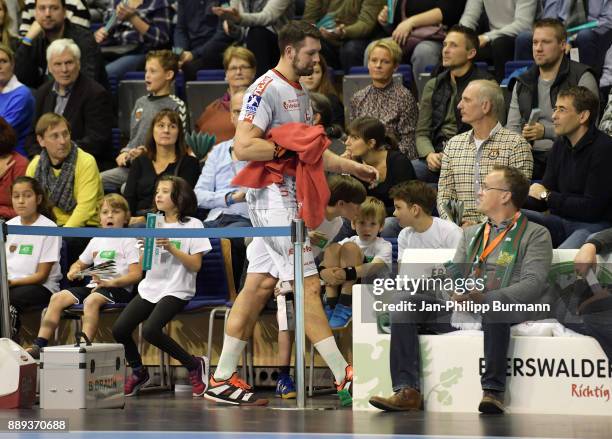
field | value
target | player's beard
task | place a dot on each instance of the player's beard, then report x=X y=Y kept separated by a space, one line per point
x=302 y=70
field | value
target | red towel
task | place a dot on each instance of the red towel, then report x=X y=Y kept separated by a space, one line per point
x=309 y=142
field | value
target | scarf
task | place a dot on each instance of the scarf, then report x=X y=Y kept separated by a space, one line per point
x=60 y=189
x=478 y=250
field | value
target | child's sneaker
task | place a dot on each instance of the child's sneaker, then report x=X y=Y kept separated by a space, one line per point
x=136 y=381
x=199 y=377
x=232 y=391
x=341 y=317
x=345 y=388
x=285 y=387
x=329 y=311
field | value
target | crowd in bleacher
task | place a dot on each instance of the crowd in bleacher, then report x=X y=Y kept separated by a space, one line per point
x=449 y=93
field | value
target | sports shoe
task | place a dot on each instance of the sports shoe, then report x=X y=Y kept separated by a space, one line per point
x=329 y=311
x=34 y=351
x=135 y=382
x=345 y=388
x=341 y=317
x=233 y=391
x=285 y=387
x=199 y=377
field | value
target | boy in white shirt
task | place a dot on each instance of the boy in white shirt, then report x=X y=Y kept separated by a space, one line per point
x=353 y=258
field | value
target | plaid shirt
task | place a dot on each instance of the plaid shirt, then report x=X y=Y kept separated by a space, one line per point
x=457 y=177
x=157 y=14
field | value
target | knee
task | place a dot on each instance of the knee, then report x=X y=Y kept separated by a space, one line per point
x=332 y=252
x=350 y=249
x=92 y=306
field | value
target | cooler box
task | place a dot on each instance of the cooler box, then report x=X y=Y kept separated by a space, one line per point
x=82 y=376
x=17 y=376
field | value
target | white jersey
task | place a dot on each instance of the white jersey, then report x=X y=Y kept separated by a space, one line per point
x=441 y=234
x=330 y=229
x=378 y=248
x=123 y=251
x=270 y=101
x=25 y=252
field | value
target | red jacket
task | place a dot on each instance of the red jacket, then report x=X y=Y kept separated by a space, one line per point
x=309 y=142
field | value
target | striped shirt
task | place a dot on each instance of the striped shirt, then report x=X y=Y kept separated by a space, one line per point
x=157 y=14
x=460 y=166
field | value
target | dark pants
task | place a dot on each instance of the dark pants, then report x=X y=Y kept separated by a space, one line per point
x=238 y=246
x=264 y=44
x=499 y=51
x=405 y=358
x=211 y=57
x=348 y=55
x=155 y=317
x=24 y=297
x=592 y=45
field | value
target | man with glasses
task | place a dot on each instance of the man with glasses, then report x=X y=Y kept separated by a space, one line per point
x=508 y=258
x=470 y=156
x=574 y=198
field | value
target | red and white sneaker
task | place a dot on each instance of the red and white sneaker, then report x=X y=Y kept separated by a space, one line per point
x=345 y=388
x=136 y=381
x=199 y=377
x=233 y=391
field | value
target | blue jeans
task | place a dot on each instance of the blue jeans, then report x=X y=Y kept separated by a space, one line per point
x=566 y=233
x=127 y=63
x=592 y=45
x=392 y=228
x=523 y=46
x=423 y=173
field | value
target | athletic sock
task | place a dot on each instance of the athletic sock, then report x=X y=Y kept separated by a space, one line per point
x=230 y=355
x=331 y=301
x=332 y=356
x=284 y=370
x=41 y=342
x=345 y=299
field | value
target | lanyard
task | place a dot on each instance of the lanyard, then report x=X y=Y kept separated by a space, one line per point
x=493 y=244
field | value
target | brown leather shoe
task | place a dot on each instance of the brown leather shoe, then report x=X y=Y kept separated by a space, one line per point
x=407 y=399
x=492 y=403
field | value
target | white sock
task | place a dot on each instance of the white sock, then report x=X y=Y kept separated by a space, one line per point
x=230 y=355
x=332 y=356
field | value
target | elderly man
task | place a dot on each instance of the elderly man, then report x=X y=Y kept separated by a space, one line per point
x=511 y=258
x=575 y=196
x=51 y=24
x=84 y=103
x=470 y=156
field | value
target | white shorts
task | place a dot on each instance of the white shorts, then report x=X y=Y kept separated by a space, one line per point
x=274 y=254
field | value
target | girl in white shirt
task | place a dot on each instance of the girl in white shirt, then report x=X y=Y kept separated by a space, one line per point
x=114 y=213
x=167 y=288
x=32 y=261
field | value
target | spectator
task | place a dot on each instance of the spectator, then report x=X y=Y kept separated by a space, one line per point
x=12 y=165
x=257 y=23
x=386 y=100
x=51 y=24
x=470 y=156
x=439 y=117
x=419 y=28
x=166 y=154
x=69 y=175
x=526 y=252
x=160 y=71
x=98 y=9
x=138 y=30
x=322 y=115
x=505 y=21
x=76 y=13
x=576 y=190
x=354 y=23
x=7 y=36
x=215 y=191
x=239 y=64
x=321 y=82
x=16 y=100
x=84 y=103
x=606 y=118
x=367 y=143
x=538 y=88
x=200 y=37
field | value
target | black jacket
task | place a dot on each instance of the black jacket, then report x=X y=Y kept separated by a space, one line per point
x=89 y=112
x=31 y=61
x=579 y=178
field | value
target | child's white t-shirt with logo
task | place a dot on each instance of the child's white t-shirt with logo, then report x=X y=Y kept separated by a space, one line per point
x=376 y=248
x=25 y=252
x=124 y=251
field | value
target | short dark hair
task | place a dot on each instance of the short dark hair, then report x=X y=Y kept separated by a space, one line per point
x=415 y=192
x=62 y=2
x=583 y=100
x=345 y=188
x=471 y=37
x=518 y=184
x=368 y=128
x=294 y=33
x=182 y=195
x=8 y=138
x=554 y=23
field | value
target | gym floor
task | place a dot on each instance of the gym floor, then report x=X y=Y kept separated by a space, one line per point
x=166 y=415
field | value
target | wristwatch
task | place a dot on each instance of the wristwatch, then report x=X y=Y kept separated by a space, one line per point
x=544 y=195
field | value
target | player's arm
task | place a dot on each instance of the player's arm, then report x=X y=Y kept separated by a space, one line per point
x=249 y=144
x=340 y=165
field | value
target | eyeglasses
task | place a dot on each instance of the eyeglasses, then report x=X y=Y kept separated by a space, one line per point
x=237 y=68
x=485 y=188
